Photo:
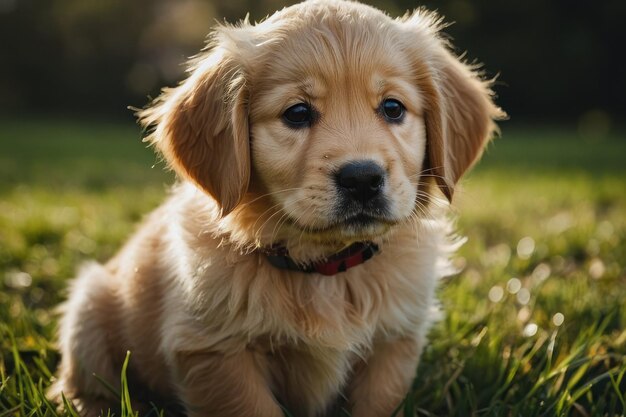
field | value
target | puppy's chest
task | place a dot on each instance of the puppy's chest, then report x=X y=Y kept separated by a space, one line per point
x=389 y=295
x=346 y=312
x=319 y=339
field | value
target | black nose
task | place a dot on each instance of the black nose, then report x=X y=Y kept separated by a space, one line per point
x=362 y=180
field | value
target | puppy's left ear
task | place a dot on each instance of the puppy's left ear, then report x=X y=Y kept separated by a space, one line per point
x=201 y=126
x=459 y=111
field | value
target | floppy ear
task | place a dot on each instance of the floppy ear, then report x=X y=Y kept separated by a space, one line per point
x=459 y=121
x=459 y=111
x=201 y=127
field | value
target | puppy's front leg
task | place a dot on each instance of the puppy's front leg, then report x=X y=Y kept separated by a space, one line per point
x=380 y=384
x=215 y=385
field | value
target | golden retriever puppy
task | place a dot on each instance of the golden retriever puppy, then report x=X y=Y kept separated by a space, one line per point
x=296 y=262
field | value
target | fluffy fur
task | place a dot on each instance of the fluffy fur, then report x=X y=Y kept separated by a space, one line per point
x=204 y=314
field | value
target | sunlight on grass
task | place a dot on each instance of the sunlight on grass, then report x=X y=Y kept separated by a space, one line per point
x=534 y=325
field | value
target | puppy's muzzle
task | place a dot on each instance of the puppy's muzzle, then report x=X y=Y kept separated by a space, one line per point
x=360 y=181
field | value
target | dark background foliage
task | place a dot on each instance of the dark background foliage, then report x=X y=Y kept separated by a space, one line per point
x=556 y=61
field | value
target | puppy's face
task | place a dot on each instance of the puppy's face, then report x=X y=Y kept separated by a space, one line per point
x=338 y=135
x=339 y=116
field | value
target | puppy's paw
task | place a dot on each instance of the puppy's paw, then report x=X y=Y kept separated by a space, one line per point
x=65 y=396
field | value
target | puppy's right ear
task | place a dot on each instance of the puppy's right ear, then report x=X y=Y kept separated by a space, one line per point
x=459 y=112
x=201 y=127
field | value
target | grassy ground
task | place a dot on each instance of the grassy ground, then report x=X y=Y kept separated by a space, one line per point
x=535 y=324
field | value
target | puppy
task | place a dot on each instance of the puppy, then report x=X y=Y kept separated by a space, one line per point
x=296 y=262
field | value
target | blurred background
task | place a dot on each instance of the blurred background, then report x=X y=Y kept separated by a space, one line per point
x=558 y=61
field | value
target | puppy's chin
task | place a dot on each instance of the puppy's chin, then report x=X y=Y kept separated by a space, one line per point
x=354 y=229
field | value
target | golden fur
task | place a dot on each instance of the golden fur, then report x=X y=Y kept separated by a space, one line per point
x=204 y=314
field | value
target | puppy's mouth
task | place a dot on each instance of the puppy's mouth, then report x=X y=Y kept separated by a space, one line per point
x=361 y=220
x=358 y=226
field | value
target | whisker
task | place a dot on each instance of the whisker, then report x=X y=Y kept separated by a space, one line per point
x=265 y=223
x=281 y=220
x=286 y=216
x=271 y=194
x=306 y=228
x=263 y=214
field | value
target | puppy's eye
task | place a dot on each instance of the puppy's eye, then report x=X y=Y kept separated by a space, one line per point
x=392 y=110
x=298 y=116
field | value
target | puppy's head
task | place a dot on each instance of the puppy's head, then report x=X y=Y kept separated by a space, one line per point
x=333 y=113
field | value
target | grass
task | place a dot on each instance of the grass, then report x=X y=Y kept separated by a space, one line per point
x=535 y=324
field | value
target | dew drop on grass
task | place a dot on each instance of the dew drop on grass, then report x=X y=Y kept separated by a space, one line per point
x=541 y=272
x=496 y=293
x=525 y=247
x=560 y=223
x=530 y=330
x=597 y=268
x=523 y=315
x=18 y=279
x=523 y=296
x=558 y=319
x=513 y=285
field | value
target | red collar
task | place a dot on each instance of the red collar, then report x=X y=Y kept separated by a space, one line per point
x=353 y=255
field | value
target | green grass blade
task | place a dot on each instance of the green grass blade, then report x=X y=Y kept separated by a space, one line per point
x=125 y=401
